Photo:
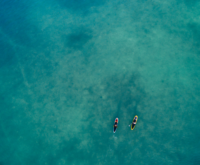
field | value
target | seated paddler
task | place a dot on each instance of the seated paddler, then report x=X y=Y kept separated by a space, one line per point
x=115 y=125
x=134 y=122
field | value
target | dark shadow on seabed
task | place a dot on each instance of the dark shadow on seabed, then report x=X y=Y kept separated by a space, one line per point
x=78 y=38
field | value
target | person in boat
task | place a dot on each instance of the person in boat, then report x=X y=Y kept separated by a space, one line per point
x=115 y=125
x=134 y=122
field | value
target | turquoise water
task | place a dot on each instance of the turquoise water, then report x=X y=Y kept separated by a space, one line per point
x=69 y=68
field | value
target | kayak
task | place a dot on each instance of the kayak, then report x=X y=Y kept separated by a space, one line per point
x=133 y=125
x=114 y=126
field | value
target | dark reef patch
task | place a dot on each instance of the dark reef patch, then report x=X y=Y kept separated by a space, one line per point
x=78 y=39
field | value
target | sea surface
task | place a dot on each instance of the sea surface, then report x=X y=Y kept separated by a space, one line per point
x=68 y=68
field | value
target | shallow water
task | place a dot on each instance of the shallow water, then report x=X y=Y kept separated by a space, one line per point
x=69 y=68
